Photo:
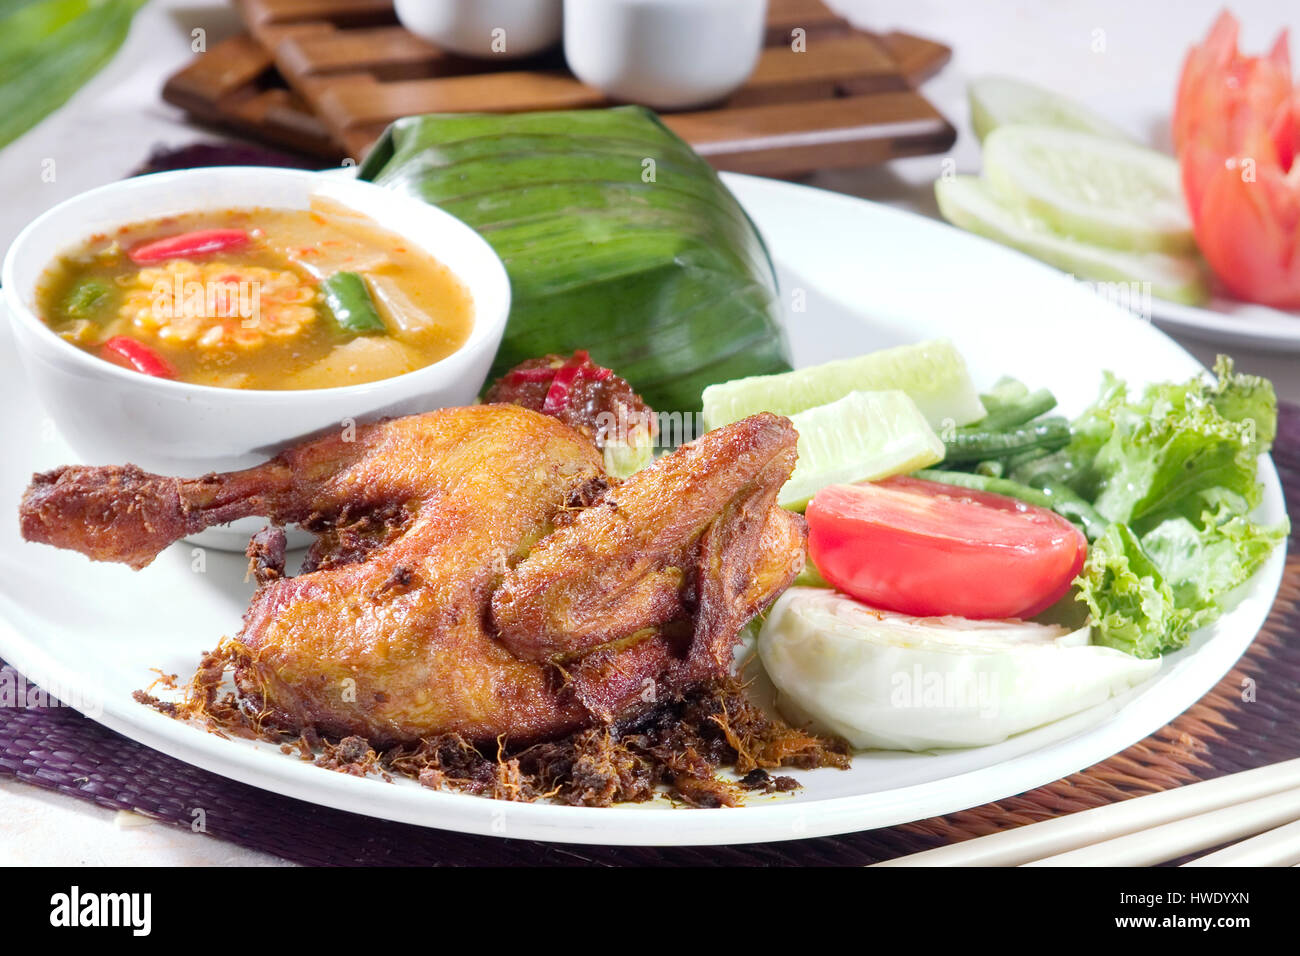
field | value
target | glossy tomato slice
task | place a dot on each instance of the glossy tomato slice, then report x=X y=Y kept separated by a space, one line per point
x=929 y=549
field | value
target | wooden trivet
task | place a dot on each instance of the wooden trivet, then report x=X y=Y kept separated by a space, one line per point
x=327 y=76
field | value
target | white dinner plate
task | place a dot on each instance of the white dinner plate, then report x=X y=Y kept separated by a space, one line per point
x=1226 y=321
x=855 y=277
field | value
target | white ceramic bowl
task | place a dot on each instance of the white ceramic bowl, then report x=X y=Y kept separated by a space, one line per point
x=485 y=28
x=110 y=415
x=666 y=54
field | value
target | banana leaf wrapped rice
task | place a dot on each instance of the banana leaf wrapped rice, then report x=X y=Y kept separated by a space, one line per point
x=618 y=239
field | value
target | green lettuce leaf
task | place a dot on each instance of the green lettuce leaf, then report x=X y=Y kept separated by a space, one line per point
x=1248 y=400
x=1203 y=564
x=1175 y=470
x=1146 y=596
x=1133 y=608
x=1142 y=459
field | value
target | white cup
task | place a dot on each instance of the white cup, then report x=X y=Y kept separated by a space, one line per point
x=666 y=54
x=484 y=28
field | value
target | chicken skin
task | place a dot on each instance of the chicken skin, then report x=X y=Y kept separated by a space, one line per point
x=475 y=571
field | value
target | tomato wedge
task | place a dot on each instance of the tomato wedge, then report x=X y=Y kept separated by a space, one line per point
x=930 y=549
x=1236 y=130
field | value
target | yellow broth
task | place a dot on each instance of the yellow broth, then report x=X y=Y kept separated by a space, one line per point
x=255 y=316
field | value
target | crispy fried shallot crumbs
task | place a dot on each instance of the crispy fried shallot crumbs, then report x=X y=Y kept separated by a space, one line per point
x=162 y=706
x=168 y=681
x=351 y=755
x=677 y=749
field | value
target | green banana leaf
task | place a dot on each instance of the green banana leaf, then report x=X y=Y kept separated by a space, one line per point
x=49 y=49
x=662 y=278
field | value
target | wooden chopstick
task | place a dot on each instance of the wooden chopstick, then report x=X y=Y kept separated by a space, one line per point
x=1167 y=841
x=1063 y=834
x=1280 y=847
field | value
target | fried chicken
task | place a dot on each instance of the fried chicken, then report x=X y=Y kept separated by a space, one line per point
x=475 y=571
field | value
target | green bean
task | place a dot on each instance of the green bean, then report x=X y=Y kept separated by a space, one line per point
x=1072 y=506
x=1056 y=467
x=1005 y=391
x=978 y=445
x=998 y=486
x=1019 y=460
x=1003 y=415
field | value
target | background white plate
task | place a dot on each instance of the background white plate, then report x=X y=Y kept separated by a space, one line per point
x=855 y=277
x=1227 y=321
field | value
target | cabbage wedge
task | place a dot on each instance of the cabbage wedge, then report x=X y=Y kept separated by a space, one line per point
x=889 y=681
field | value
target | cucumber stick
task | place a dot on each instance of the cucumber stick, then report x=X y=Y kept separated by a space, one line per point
x=1091 y=188
x=967 y=201
x=861 y=437
x=1000 y=101
x=933 y=374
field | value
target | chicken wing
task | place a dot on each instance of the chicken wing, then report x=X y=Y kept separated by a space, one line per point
x=475 y=572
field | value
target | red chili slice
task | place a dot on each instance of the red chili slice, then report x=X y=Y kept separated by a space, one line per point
x=186 y=244
x=562 y=378
x=557 y=398
x=129 y=353
x=530 y=375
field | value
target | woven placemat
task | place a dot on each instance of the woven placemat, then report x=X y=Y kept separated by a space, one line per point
x=58 y=749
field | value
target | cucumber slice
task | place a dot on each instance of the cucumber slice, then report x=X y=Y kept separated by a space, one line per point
x=966 y=201
x=1090 y=188
x=625 y=459
x=933 y=374
x=861 y=437
x=1000 y=101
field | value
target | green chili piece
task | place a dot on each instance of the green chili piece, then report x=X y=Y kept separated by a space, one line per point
x=349 y=303
x=87 y=298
